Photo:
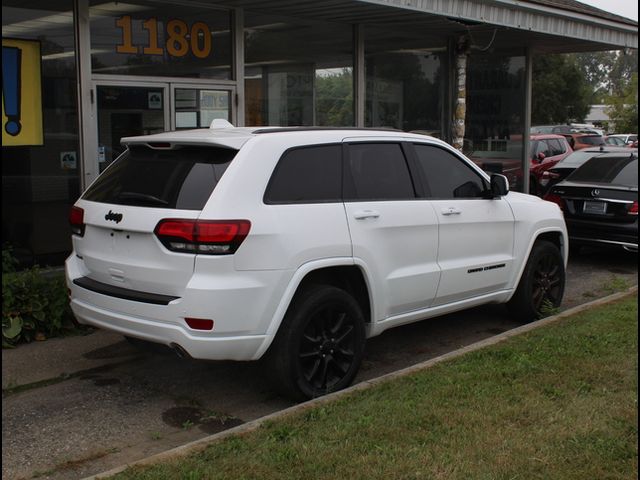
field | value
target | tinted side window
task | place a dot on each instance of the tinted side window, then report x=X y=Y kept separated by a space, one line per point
x=307 y=175
x=446 y=175
x=556 y=146
x=181 y=178
x=542 y=147
x=378 y=171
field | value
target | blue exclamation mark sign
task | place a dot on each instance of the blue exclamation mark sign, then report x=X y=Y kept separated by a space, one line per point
x=11 y=70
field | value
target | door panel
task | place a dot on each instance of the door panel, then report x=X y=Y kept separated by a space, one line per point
x=398 y=241
x=394 y=233
x=475 y=248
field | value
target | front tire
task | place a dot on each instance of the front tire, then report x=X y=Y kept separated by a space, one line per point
x=320 y=344
x=541 y=286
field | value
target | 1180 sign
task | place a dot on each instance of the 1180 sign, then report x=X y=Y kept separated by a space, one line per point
x=181 y=38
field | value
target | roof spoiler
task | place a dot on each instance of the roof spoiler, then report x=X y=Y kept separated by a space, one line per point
x=220 y=123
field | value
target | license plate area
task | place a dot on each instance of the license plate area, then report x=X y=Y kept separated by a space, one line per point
x=594 y=208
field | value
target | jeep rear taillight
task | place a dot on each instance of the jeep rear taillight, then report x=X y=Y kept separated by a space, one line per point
x=76 y=221
x=210 y=237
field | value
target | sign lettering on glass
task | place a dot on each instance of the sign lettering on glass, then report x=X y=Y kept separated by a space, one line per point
x=182 y=38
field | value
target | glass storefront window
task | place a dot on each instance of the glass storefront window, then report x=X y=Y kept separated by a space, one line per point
x=405 y=80
x=298 y=73
x=40 y=158
x=151 y=38
x=494 y=132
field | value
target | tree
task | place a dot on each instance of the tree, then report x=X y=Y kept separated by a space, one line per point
x=334 y=99
x=597 y=67
x=560 y=91
x=608 y=73
x=623 y=108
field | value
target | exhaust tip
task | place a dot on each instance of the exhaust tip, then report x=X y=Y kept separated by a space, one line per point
x=181 y=352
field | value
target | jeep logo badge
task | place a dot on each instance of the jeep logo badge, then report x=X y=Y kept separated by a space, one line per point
x=113 y=217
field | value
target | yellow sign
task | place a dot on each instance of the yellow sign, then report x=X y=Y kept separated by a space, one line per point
x=21 y=93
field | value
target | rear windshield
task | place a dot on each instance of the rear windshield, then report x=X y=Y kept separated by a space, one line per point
x=592 y=140
x=616 y=170
x=182 y=178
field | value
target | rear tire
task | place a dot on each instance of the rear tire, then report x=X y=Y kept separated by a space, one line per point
x=541 y=286
x=320 y=344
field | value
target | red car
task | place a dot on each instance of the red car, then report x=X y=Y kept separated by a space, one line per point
x=584 y=140
x=545 y=150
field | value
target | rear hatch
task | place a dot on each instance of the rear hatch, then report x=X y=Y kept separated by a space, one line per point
x=123 y=207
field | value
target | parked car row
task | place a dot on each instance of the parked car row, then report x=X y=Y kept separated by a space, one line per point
x=622 y=139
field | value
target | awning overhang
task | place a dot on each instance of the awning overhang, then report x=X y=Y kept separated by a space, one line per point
x=546 y=26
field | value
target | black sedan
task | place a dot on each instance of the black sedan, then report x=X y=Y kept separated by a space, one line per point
x=564 y=167
x=600 y=201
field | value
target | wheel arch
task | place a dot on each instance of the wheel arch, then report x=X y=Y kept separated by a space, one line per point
x=342 y=273
x=554 y=236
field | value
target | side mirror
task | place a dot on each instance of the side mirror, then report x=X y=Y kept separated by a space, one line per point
x=499 y=185
x=541 y=157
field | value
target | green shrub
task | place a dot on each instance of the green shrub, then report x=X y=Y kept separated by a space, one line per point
x=35 y=304
x=9 y=262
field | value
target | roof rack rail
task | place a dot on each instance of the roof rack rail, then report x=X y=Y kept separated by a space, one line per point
x=305 y=129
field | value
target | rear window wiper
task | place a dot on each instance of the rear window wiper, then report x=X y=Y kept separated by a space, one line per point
x=142 y=197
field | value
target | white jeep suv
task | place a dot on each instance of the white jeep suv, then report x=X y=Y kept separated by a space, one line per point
x=297 y=244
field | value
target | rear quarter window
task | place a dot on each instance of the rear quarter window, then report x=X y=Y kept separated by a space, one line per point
x=182 y=178
x=311 y=174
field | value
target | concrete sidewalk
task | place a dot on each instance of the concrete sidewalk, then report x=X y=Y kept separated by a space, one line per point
x=62 y=357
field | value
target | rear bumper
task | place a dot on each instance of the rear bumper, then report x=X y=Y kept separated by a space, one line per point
x=197 y=346
x=604 y=233
x=241 y=304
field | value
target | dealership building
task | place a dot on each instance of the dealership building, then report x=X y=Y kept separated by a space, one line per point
x=80 y=74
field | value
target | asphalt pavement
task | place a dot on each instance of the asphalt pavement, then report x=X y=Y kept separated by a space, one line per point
x=80 y=405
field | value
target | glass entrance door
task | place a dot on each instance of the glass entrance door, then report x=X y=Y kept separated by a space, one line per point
x=136 y=108
x=197 y=106
x=125 y=111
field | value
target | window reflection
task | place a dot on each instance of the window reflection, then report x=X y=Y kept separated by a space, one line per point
x=404 y=80
x=495 y=114
x=297 y=73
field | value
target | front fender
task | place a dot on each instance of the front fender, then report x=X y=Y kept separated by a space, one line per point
x=527 y=247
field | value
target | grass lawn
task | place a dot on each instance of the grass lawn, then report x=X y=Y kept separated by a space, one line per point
x=559 y=402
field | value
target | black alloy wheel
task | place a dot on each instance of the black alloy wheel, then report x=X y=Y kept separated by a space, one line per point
x=320 y=344
x=327 y=348
x=548 y=282
x=541 y=286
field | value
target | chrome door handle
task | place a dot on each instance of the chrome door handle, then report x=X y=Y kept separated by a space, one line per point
x=362 y=214
x=450 y=211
